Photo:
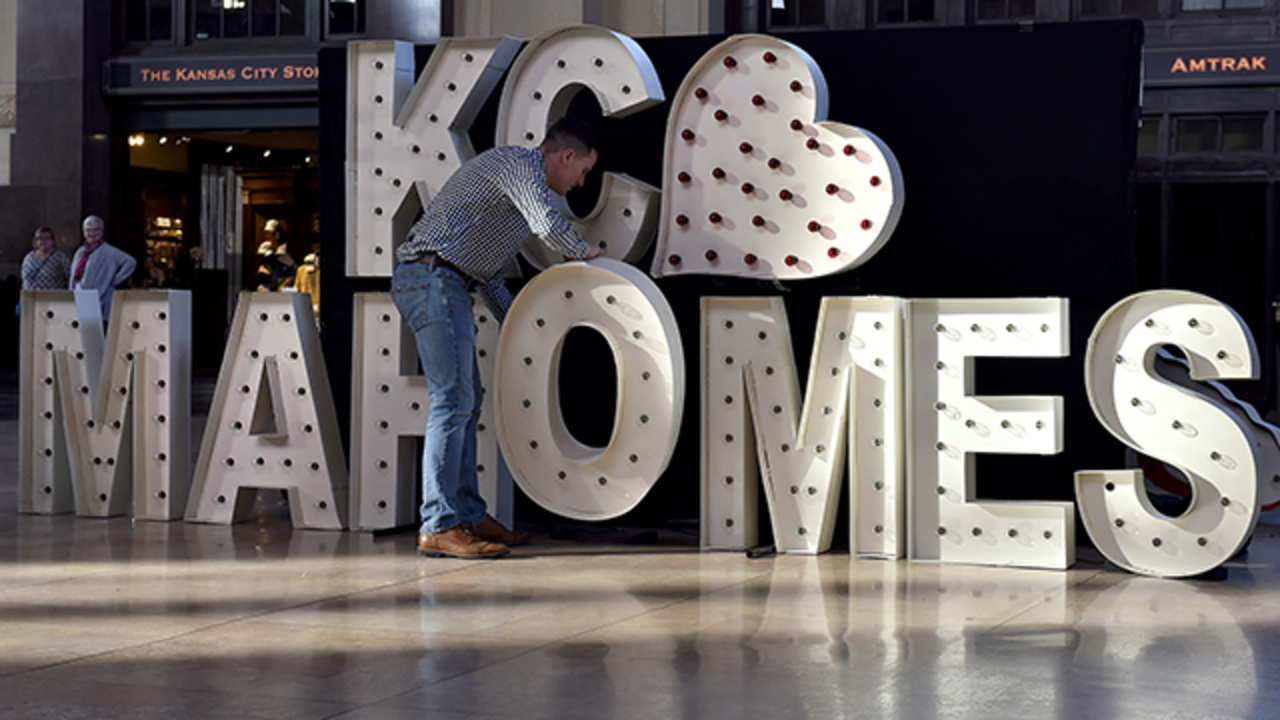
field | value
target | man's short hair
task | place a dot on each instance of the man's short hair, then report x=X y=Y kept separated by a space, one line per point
x=570 y=132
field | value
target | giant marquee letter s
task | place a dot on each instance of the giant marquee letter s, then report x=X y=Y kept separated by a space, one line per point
x=1206 y=439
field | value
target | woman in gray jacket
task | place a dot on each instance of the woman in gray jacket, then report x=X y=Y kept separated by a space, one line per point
x=100 y=266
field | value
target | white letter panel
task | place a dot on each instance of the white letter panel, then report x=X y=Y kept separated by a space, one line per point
x=389 y=405
x=402 y=145
x=52 y=321
x=131 y=430
x=272 y=423
x=950 y=425
x=554 y=468
x=749 y=367
x=553 y=68
x=757 y=183
x=1208 y=441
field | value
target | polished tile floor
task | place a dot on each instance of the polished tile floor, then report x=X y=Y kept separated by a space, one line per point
x=122 y=619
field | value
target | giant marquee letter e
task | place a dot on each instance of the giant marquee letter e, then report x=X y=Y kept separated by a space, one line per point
x=558 y=471
x=950 y=424
x=1206 y=439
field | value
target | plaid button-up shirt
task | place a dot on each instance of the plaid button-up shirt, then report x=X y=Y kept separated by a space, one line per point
x=484 y=213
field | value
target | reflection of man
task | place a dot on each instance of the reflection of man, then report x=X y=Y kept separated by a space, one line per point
x=470 y=232
x=98 y=265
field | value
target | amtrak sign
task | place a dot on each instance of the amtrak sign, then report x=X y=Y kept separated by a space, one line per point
x=1251 y=64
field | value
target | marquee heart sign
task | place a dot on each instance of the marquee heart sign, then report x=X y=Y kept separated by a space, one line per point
x=757 y=183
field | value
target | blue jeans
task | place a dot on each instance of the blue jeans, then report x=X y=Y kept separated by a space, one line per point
x=434 y=302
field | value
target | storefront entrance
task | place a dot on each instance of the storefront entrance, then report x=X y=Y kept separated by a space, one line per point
x=219 y=213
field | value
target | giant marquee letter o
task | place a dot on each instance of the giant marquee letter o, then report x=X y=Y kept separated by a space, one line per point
x=558 y=471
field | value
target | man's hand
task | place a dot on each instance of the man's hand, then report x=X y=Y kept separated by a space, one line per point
x=592 y=251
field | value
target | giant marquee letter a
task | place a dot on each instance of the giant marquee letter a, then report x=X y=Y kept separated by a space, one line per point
x=272 y=423
x=749 y=380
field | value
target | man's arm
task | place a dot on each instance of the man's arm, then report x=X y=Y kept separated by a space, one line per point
x=535 y=201
x=496 y=295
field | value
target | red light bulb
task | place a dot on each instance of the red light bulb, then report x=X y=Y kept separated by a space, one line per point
x=715 y=217
x=866 y=224
x=745 y=148
x=796 y=86
x=850 y=150
x=687 y=134
x=674 y=259
x=757 y=100
x=832 y=188
x=750 y=258
x=701 y=93
x=815 y=226
x=758 y=221
x=685 y=177
x=730 y=62
x=770 y=58
x=718 y=173
x=797 y=125
x=791 y=260
x=833 y=253
x=682 y=220
x=813 y=144
x=721 y=115
x=785 y=195
x=712 y=256
x=748 y=188
x=774 y=163
x=875 y=181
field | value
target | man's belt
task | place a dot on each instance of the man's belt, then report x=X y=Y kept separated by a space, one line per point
x=434 y=260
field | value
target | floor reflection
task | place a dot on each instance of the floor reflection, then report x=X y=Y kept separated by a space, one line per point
x=116 y=618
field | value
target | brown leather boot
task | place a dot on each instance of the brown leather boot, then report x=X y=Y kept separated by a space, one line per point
x=493 y=531
x=459 y=542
